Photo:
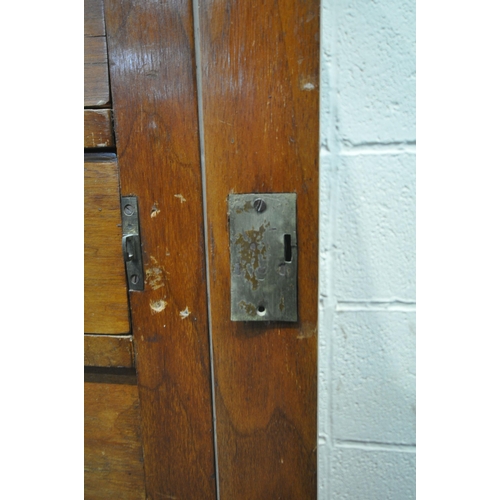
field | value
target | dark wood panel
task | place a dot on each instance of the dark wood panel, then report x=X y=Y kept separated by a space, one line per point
x=260 y=67
x=98 y=129
x=96 y=80
x=113 y=451
x=94 y=18
x=152 y=68
x=109 y=351
x=105 y=288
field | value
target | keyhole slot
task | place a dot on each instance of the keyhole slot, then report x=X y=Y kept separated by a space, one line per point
x=288 y=247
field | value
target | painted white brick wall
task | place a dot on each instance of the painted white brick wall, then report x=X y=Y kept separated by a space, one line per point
x=366 y=417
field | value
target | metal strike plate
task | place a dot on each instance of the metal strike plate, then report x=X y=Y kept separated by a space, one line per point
x=263 y=244
x=131 y=243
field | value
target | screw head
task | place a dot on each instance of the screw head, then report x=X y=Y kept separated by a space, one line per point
x=128 y=210
x=260 y=205
x=134 y=279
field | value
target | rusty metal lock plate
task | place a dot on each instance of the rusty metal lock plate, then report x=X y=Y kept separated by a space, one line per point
x=263 y=245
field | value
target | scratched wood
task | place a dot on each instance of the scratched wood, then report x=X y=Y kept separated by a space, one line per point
x=152 y=73
x=98 y=129
x=260 y=82
x=105 y=288
x=113 y=458
x=109 y=351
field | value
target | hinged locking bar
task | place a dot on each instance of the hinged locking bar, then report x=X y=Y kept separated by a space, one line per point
x=131 y=243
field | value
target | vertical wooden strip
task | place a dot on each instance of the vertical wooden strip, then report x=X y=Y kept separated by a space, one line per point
x=153 y=84
x=260 y=67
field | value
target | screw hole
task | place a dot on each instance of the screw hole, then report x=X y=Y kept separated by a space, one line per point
x=261 y=310
x=134 y=279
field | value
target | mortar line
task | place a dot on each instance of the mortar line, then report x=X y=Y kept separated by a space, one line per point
x=375 y=305
x=377 y=148
x=374 y=446
x=329 y=194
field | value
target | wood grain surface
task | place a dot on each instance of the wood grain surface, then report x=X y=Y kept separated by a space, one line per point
x=105 y=287
x=94 y=18
x=98 y=129
x=113 y=452
x=95 y=72
x=152 y=72
x=109 y=351
x=260 y=82
x=95 y=50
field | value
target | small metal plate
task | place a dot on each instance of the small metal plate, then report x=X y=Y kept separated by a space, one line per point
x=263 y=244
x=131 y=243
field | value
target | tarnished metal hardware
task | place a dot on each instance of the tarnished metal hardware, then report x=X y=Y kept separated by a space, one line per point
x=131 y=243
x=263 y=245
